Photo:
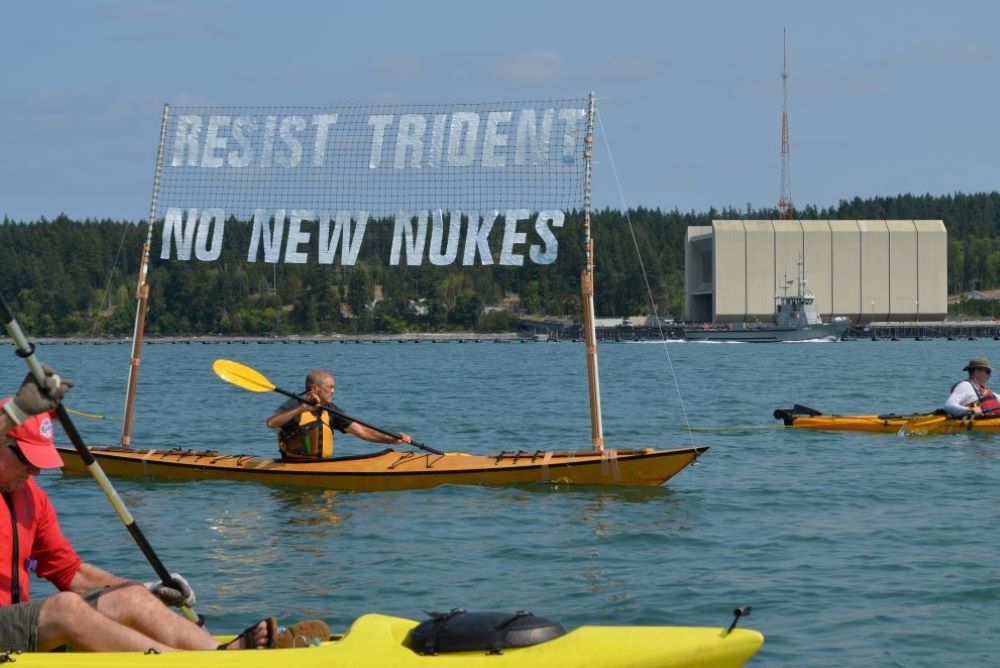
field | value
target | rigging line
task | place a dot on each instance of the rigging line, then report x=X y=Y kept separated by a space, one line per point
x=645 y=277
x=84 y=367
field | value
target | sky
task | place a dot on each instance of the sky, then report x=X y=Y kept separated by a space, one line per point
x=883 y=97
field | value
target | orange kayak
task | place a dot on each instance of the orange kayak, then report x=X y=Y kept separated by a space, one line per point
x=803 y=417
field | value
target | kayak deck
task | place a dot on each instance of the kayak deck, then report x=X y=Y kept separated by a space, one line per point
x=392 y=470
x=376 y=641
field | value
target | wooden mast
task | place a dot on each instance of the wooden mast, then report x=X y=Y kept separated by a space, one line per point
x=587 y=286
x=142 y=293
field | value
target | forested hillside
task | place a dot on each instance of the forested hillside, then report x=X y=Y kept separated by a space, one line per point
x=73 y=278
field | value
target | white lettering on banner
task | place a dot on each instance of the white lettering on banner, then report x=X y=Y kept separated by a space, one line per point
x=211 y=220
x=548 y=254
x=296 y=237
x=349 y=247
x=213 y=141
x=495 y=139
x=411 y=131
x=511 y=237
x=186 y=230
x=572 y=117
x=435 y=254
x=477 y=239
x=379 y=124
x=322 y=123
x=289 y=126
x=264 y=235
x=437 y=140
x=241 y=126
x=462 y=139
x=186 y=140
x=404 y=236
x=267 y=150
x=181 y=233
x=530 y=148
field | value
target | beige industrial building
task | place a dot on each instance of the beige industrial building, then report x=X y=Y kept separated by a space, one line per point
x=867 y=270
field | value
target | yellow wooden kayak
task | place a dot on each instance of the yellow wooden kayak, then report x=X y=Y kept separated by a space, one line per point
x=379 y=641
x=803 y=417
x=394 y=470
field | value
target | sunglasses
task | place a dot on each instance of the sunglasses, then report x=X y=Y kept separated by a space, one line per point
x=20 y=455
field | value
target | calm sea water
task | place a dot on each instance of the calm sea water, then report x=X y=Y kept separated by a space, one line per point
x=853 y=549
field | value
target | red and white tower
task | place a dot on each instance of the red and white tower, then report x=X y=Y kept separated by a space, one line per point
x=786 y=208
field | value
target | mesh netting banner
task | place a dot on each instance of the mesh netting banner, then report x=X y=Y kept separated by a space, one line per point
x=457 y=184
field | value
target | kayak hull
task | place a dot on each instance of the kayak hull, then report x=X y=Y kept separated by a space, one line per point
x=890 y=423
x=871 y=423
x=377 y=641
x=398 y=470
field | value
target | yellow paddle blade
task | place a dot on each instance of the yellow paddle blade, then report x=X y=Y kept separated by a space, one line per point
x=242 y=376
x=922 y=426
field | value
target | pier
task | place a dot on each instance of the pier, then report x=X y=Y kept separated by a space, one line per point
x=887 y=331
x=949 y=329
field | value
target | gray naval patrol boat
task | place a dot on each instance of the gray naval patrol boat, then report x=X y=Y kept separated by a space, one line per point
x=795 y=319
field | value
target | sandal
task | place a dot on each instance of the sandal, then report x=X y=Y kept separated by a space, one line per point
x=248 y=640
x=302 y=634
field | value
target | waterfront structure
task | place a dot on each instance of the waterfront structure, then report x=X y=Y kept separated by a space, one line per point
x=866 y=270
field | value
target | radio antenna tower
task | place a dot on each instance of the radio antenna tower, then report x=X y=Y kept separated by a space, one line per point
x=786 y=208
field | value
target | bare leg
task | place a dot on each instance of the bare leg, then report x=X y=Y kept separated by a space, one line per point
x=67 y=619
x=133 y=606
x=125 y=618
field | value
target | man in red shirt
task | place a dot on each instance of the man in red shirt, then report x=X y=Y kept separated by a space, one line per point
x=95 y=610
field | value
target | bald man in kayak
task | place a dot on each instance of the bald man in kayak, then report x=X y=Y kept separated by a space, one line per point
x=971 y=397
x=305 y=428
x=94 y=610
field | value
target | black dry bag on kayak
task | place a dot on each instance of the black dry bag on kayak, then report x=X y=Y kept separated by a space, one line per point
x=461 y=631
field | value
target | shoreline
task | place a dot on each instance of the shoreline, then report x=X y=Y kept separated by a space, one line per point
x=884 y=330
x=418 y=337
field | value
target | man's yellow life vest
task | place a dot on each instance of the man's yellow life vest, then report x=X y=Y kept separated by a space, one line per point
x=311 y=439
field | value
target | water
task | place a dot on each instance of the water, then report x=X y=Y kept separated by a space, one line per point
x=853 y=549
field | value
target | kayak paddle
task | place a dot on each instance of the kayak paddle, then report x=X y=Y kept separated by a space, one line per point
x=26 y=351
x=248 y=378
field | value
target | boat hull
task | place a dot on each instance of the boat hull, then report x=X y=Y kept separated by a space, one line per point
x=870 y=423
x=376 y=641
x=397 y=470
x=891 y=423
x=770 y=334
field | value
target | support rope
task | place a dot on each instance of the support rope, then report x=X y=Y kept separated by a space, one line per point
x=645 y=278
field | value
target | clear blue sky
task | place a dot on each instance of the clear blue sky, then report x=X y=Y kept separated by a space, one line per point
x=885 y=97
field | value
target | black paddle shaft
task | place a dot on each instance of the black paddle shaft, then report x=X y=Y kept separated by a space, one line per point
x=26 y=351
x=334 y=411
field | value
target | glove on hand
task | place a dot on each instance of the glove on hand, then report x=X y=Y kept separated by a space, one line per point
x=178 y=593
x=32 y=399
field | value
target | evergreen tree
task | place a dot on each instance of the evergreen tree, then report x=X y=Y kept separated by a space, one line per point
x=78 y=278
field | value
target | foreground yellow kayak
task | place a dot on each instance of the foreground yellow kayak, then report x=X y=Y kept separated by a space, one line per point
x=393 y=470
x=379 y=641
x=803 y=417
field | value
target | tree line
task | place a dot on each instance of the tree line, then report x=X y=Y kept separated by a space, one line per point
x=77 y=278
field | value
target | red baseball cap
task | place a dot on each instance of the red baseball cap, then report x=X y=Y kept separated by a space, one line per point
x=34 y=437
